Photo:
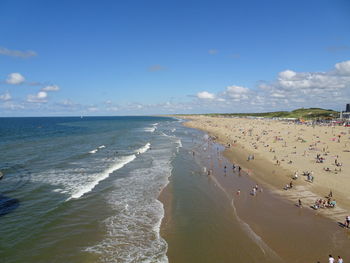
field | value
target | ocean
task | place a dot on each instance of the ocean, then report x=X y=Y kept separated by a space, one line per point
x=84 y=189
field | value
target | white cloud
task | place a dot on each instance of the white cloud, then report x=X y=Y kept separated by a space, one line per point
x=51 y=88
x=287 y=74
x=290 y=90
x=15 y=78
x=311 y=82
x=17 y=53
x=11 y=105
x=236 y=93
x=40 y=97
x=303 y=89
x=343 y=67
x=113 y=108
x=213 y=51
x=92 y=109
x=237 y=90
x=5 y=97
x=67 y=102
x=205 y=95
x=277 y=95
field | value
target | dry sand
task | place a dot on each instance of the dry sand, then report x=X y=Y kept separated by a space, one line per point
x=280 y=149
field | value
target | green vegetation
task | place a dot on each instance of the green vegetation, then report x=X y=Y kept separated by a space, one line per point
x=306 y=114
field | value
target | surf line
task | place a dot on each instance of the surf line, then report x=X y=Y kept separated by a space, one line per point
x=121 y=162
x=98 y=148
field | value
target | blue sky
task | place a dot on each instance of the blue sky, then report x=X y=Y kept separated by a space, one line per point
x=156 y=57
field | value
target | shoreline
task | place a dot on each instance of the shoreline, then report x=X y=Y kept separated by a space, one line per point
x=265 y=172
x=266 y=223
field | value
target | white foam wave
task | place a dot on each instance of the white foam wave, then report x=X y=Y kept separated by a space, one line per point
x=150 y=129
x=88 y=187
x=144 y=148
x=179 y=143
x=133 y=233
x=93 y=151
x=96 y=150
x=166 y=135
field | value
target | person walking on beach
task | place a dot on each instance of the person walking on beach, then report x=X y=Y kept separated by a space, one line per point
x=330 y=259
x=340 y=260
x=299 y=203
x=347 y=221
x=254 y=191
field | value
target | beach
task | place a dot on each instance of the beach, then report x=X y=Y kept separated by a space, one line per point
x=281 y=149
x=271 y=218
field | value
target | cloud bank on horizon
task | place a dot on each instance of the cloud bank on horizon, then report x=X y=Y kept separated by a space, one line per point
x=289 y=90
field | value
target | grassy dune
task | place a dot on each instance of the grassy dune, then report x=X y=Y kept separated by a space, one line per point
x=307 y=114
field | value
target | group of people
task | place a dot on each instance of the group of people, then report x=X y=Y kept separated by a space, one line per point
x=255 y=190
x=322 y=203
x=309 y=176
x=288 y=186
x=319 y=159
x=331 y=259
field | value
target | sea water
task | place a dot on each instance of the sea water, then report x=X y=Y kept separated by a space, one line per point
x=84 y=189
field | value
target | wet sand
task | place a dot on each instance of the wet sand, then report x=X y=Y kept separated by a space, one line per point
x=274 y=229
x=199 y=225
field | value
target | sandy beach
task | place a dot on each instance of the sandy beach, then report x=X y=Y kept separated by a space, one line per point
x=280 y=149
x=206 y=220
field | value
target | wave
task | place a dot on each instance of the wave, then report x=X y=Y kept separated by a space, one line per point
x=166 y=135
x=150 y=129
x=88 y=187
x=144 y=148
x=179 y=143
x=133 y=232
x=96 y=150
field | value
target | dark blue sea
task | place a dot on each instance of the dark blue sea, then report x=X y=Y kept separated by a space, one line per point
x=84 y=189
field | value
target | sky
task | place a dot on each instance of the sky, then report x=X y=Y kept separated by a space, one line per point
x=72 y=58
